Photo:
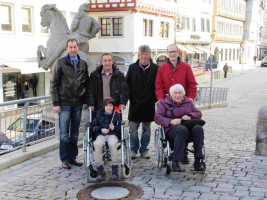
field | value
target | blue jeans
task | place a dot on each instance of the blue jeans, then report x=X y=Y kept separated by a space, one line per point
x=69 y=124
x=145 y=138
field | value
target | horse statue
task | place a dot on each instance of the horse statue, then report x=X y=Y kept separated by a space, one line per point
x=53 y=19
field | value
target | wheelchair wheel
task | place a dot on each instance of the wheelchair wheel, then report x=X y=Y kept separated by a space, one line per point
x=159 y=150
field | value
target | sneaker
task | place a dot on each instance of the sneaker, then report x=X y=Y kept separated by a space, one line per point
x=133 y=154
x=198 y=166
x=145 y=155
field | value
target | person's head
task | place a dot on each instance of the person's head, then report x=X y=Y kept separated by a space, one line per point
x=72 y=46
x=144 y=54
x=108 y=104
x=107 y=61
x=84 y=7
x=172 y=52
x=177 y=92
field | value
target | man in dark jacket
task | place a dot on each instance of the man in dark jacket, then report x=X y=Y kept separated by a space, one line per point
x=69 y=90
x=107 y=81
x=141 y=78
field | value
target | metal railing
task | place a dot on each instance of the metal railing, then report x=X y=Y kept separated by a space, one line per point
x=32 y=122
x=218 y=96
x=35 y=121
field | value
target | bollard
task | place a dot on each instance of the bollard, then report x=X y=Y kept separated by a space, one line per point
x=261 y=132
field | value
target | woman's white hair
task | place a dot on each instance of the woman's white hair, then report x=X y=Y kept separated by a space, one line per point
x=177 y=87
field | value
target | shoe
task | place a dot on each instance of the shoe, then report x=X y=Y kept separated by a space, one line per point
x=145 y=155
x=133 y=154
x=198 y=166
x=186 y=160
x=101 y=175
x=74 y=162
x=66 y=165
x=115 y=174
x=176 y=167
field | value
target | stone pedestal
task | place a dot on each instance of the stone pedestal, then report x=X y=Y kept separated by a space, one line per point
x=261 y=132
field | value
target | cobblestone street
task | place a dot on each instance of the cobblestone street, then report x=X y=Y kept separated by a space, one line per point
x=233 y=172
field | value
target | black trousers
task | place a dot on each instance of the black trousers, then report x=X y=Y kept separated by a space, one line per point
x=225 y=74
x=179 y=135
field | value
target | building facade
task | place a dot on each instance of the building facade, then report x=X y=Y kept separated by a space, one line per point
x=227 y=31
x=125 y=25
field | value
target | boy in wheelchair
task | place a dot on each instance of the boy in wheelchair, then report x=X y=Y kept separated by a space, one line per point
x=106 y=127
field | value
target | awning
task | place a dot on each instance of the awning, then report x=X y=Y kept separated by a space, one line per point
x=194 y=49
x=185 y=49
x=26 y=67
x=202 y=49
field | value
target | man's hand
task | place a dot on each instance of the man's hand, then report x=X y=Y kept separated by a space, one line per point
x=92 y=108
x=176 y=121
x=186 y=117
x=105 y=131
x=123 y=106
x=111 y=126
x=57 y=109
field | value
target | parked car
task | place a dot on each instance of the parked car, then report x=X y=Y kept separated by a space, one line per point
x=264 y=62
x=36 y=128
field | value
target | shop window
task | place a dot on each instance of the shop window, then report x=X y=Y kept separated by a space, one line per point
x=26 y=19
x=6 y=20
x=111 y=26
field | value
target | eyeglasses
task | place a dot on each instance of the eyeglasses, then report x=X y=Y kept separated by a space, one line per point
x=170 y=52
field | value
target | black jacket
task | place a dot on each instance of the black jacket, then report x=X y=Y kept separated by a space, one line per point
x=68 y=88
x=103 y=120
x=142 y=92
x=118 y=88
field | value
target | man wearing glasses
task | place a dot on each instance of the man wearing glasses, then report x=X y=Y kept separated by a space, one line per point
x=172 y=72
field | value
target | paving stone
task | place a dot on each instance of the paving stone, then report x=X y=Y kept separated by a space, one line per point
x=209 y=196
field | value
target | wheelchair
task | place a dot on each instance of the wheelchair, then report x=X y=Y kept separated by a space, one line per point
x=88 y=148
x=163 y=152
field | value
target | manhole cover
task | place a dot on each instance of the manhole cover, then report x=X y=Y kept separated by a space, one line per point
x=110 y=191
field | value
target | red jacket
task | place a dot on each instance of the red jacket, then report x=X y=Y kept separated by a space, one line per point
x=181 y=74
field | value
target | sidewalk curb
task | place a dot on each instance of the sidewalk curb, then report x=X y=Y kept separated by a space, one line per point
x=17 y=157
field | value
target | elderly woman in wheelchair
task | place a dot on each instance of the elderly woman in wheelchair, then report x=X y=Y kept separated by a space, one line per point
x=177 y=114
x=106 y=129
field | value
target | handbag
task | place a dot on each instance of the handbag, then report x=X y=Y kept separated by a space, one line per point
x=189 y=124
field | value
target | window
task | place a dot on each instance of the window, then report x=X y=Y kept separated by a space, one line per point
x=26 y=19
x=207 y=25
x=226 y=54
x=6 y=17
x=230 y=54
x=194 y=24
x=117 y=26
x=150 y=29
x=202 y=24
x=187 y=23
x=147 y=27
x=144 y=27
x=183 y=22
x=111 y=26
x=234 y=54
x=221 y=54
x=164 y=29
